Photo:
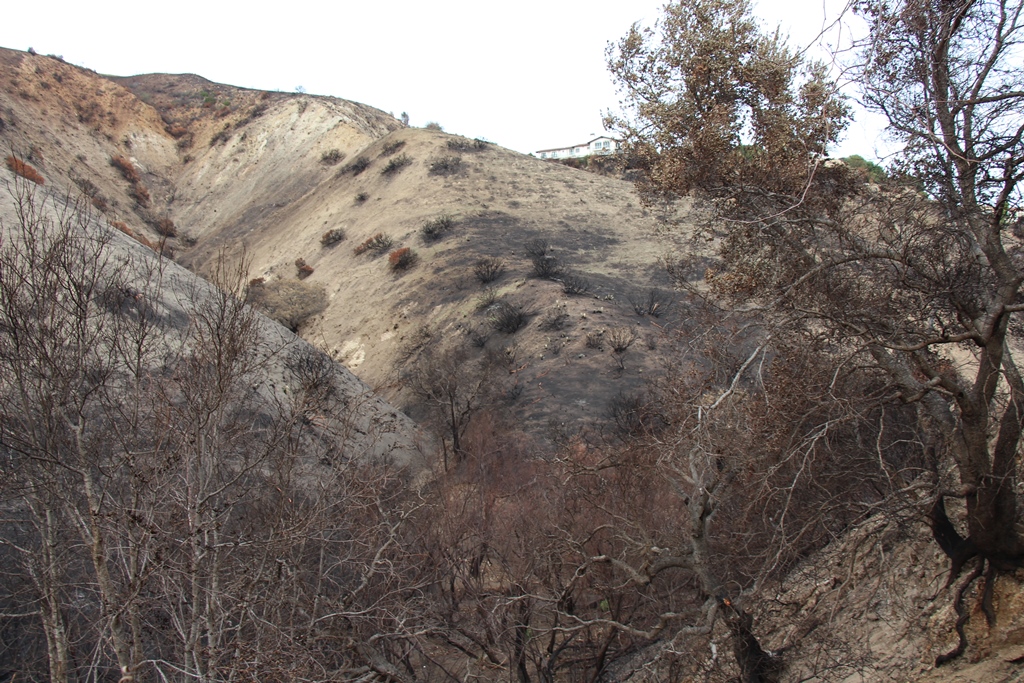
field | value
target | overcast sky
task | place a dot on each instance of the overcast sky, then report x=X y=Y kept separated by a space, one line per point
x=527 y=75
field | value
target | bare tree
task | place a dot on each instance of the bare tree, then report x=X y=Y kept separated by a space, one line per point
x=168 y=512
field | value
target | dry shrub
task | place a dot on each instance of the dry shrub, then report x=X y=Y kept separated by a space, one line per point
x=435 y=228
x=392 y=147
x=402 y=259
x=165 y=227
x=99 y=202
x=123 y=227
x=289 y=302
x=357 y=166
x=507 y=317
x=575 y=284
x=24 y=170
x=396 y=164
x=446 y=165
x=127 y=169
x=176 y=130
x=332 y=237
x=303 y=268
x=488 y=269
x=378 y=244
x=140 y=194
x=332 y=157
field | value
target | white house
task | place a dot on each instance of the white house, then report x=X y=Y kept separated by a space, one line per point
x=601 y=145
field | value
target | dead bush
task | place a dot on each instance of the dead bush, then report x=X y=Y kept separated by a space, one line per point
x=165 y=227
x=331 y=157
x=392 y=147
x=507 y=317
x=396 y=164
x=23 y=169
x=303 y=268
x=332 y=237
x=378 y=244
x=289 y=302
x=435 y=228
x=402 y=259
x=575 y=284
x=127 y=169
x=357 y=166
x=488 y=269
x=653 y=302
x=446 y=165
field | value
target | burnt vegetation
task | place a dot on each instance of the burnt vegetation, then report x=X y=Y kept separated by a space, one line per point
x=185 y=499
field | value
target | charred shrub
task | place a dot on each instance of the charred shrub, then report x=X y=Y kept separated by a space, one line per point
x=396 y=164
x=507 y=317
x=435 y=228
x=653 y=302
x=358 y=165
x=488 y=269
x=392 y=147
x=446 y=165
x=575 y=284
x=630 y=414
x=332 y=157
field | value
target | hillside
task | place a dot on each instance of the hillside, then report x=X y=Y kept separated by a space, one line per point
x=550 y=523
x=270 y=173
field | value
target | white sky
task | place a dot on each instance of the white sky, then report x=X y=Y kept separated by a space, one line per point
x=527 y=75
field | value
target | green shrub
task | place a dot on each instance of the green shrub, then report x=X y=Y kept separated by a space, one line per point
x=871 y=171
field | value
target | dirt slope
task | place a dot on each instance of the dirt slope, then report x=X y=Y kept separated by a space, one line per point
x=68 y=123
